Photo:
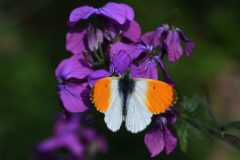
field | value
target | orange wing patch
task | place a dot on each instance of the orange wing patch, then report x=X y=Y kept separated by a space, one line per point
x=100 y=95
x=160 y=96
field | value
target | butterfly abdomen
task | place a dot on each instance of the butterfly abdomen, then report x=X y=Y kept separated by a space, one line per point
x=126 y=87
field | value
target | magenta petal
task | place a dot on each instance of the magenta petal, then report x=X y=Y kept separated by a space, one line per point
x=189 y=45
x=50 y=144
x=121 y=62
x=132 y=50
x=174 y=49
x=73 y=144
x=75 y=41
x=133 y=32
x=130 y=11
x=147 y=69
x=115 y=11
x=154 y=141
x=75 y=98
x=83 y=12
x=74 y=67
x=60 y=68
x=98 y=74
x=147 y=37
x=170 y=141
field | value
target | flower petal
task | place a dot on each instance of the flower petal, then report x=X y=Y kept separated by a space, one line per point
x=154 y=141
x=94 y=76
x=189 y=45
x=83 y=12
x=74 y=67
x=75 y=98
x=133 y=32
x=132 y=50
x=170 y=141
x=75 y=41
x=115 y=11
x=130 y=11
x=154 y=37
x=173 y=46
x=147 y=69
x=74 y=145
x=121 y=62
x=94 y=37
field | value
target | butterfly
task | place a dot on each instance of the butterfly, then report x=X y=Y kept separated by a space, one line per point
x=133 y=100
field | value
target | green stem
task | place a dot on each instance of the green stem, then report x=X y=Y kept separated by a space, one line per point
x=215 y=132
x=97 y=56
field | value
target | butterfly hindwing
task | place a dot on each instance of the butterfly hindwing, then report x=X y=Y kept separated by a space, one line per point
x=106 y=98
x=138 y=116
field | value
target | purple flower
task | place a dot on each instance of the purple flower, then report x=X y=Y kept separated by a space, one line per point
x=116 y=11
x=160 y=137
x=71 y=134
x=171 y=43
x=145 y=65
x=72 y=90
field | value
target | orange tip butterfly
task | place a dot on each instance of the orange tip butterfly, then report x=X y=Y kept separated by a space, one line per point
x=133 y=100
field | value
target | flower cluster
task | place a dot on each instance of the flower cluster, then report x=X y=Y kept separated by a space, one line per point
x=109 y=48
x=70 y=133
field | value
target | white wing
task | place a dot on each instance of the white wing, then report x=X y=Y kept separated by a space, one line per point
x=138 y=117
x=114 y=116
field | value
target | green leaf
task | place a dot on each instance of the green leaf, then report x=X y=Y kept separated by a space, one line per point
x=182 y=133
x=194 y=106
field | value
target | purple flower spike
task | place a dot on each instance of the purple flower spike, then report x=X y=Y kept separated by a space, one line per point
x=146 y=69
x=160 y=138
x=65 y=135
x=75 y=42
x=70 y=133
x=72 y=91
x=116 y=11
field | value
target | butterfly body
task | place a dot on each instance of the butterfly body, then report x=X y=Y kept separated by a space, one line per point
x=126 y=87
x=131 y=100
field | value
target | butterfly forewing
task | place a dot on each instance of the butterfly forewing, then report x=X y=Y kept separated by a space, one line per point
x=160 y=96
x=106 y=98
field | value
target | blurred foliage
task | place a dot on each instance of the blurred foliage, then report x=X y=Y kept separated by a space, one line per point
x=32 y=41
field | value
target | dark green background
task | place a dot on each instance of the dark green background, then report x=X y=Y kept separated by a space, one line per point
x=32 y=43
